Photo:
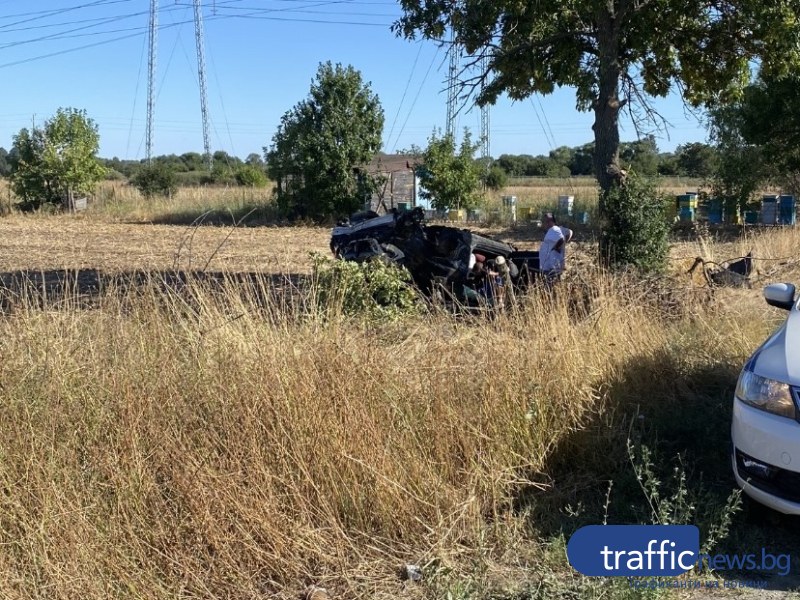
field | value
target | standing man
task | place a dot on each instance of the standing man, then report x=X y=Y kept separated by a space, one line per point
x=552 y=252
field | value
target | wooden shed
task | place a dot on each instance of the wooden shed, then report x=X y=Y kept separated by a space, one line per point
x=398 y=182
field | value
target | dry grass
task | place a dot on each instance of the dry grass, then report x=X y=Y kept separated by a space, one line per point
x=120 y=201
x=204 y=444
x=164 y=446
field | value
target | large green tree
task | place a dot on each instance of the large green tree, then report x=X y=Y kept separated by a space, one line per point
x=740 y=168
x=450 y=179
x=758 y=138
x=616 y=54
x=58 y=159
x=321 y=146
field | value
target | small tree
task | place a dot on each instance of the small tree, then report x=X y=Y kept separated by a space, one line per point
x=156 y=179
x=450 y=180
x=321 y=144
x=52 y=162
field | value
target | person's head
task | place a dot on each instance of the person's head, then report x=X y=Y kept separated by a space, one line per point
x=502 y=265
x=549 y=220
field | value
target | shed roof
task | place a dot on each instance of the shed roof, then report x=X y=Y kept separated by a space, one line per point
x=387 y=163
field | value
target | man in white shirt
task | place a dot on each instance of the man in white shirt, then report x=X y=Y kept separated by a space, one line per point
x=552 y=252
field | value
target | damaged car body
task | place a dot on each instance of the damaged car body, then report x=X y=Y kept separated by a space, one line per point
x=438 y=257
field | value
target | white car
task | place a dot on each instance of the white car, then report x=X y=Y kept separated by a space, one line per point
x=766 y=413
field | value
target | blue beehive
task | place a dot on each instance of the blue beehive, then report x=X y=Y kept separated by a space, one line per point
x=787 y=210
x=751 y=217
x=769 y=210
x=716 y=211
x=686 y=214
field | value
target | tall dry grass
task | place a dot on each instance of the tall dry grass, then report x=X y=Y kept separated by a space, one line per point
x=201 y=443
x=118 y=200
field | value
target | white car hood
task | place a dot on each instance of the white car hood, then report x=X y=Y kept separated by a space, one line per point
x=779 y=357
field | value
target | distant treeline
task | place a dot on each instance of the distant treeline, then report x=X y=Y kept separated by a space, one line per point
x=643 y=157
x=190 y=167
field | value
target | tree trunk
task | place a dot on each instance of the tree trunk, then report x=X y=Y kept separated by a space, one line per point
x=607 y=105
x=606 y=130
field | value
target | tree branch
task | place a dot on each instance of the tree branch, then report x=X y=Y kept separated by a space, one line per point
x=640 y=109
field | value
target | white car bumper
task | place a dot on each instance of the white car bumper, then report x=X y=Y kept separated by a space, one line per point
x=766 y=457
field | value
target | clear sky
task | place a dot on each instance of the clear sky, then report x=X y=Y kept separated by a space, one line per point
x=261 y=56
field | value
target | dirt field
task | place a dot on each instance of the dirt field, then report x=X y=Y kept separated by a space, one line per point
x=60 y=242
x=40 y=243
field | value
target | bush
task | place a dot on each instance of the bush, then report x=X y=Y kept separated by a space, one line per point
x=251 y=176
x=155 y=180
x=373 y=289
x=635 y=227
x=495 y=179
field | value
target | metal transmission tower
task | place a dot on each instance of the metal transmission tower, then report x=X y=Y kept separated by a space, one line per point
x=151 y=76
x=201 y=73
x=452 y=87
x=485 y=117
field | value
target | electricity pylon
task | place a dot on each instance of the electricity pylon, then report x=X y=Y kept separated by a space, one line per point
x=452 y=89
x=201 y=74
x=151 y=76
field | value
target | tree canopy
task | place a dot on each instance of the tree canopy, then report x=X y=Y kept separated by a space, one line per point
x=616 y=54
x=322 y=145
x=48 y=163
x=757 y=138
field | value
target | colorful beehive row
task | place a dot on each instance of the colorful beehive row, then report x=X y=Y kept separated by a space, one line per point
x=775 y=210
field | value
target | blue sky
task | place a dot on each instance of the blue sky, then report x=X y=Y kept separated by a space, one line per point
x=261 y=57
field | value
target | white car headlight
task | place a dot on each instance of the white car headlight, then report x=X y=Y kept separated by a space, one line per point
x=767 y=394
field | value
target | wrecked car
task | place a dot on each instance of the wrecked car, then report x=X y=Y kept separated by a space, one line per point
x=438 y=257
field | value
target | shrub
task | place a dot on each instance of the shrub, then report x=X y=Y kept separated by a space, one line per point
x=373 y=289
x=155 y=180
x=635 y=227
x=251 y=176
x=495 y=178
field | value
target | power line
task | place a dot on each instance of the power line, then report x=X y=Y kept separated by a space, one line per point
x=135 y=96
x=137 y=31
x=414 y=103
x=405 y=91
x=35 y=16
